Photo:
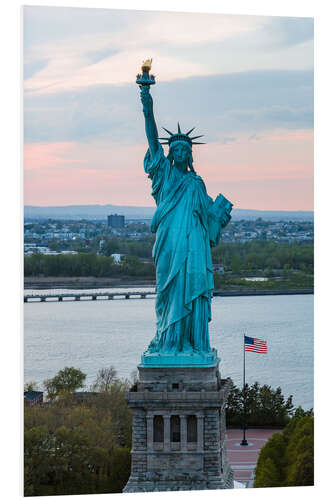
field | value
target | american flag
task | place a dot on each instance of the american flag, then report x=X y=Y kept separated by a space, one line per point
x=255 y=345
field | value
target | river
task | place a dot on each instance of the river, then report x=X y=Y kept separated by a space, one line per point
x=95 y=334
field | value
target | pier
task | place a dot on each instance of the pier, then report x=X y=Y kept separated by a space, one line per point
x=60 y=297
x=77 y=296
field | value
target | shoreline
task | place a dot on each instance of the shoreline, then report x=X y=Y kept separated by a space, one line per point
x=47 y=283
x=98 y=283
x=249 y=293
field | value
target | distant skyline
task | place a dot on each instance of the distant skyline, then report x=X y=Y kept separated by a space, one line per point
x=245 y=82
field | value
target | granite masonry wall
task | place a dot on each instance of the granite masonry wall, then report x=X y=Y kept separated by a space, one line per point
x=173 y=462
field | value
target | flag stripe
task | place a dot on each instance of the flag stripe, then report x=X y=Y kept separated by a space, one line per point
x=255 y=349
x=255 y=345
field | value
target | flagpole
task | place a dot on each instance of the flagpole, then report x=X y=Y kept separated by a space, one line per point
x=244 y=441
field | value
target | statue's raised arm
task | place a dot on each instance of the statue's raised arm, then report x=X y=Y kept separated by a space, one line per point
x=150 y=124
x=144 y=81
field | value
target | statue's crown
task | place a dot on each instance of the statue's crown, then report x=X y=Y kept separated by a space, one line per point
x=179 y=136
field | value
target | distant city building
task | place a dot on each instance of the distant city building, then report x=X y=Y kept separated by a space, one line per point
x=116 y=221
x=117 y=257
x=40 y=236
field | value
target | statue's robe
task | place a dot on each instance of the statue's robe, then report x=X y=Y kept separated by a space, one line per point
x=185 y=227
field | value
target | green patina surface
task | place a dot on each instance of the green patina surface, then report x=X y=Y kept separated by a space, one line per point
x=187 y=223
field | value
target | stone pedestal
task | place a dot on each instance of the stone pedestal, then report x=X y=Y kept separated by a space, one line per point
x=179 y=429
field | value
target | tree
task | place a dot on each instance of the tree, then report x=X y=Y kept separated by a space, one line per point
x=36 y=443
x=300 y=453
x=271 y=462
x=287 y=459
x=112 y=399
x=267 y=475
x=53 y=244
x=31 y=386
x=236 y=264
x=300 y=412
x=79 y=447
x=234 y=408
x=263 y=405
x=66 y=381
x=218 y=281
x=120 y=468
x=301 y=473
x=106 y=377
x=110 y=246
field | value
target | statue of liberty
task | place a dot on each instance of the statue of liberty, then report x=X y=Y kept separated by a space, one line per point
x=187 y=223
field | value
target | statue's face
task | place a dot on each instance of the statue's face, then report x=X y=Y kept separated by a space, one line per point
x=180 y=153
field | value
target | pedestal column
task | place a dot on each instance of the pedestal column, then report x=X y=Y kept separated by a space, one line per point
x=183 y=433
x=200 y=430
x=166 y=432
x=150 y=432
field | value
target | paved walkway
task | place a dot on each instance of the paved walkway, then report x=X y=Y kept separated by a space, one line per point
x=243 y=459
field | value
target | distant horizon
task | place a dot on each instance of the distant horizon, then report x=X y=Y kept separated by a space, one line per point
x=154 y=206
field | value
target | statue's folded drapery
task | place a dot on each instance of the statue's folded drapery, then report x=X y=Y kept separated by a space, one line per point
x=186 y=222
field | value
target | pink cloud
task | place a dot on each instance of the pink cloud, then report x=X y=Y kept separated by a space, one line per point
x=274 y=172
x=73 y=173
x=275 y=194
x=47 y=155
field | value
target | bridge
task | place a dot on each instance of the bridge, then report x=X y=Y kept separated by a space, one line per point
x=54 y=297
x=77 y=296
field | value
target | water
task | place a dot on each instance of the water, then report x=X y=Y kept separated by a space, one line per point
x=256 y=279
x=94 y=334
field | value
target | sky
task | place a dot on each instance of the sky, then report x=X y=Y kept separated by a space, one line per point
x=245 y=82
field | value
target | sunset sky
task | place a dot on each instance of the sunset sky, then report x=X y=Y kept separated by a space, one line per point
x=245 y=82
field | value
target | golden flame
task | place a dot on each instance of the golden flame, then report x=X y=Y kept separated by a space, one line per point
x=146 y=65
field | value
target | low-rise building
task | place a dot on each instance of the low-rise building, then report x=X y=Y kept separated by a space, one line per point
x=33 y=398
x=117 y=257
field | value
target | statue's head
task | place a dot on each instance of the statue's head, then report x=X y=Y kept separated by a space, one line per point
x=180 y=153
x=180 y=147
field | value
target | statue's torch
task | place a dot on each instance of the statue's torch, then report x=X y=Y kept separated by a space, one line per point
x=145 y=78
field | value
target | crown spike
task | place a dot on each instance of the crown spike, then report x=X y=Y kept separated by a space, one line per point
x=170 y=133
x=196 y=137
x=187 y=133
x=180 y=136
